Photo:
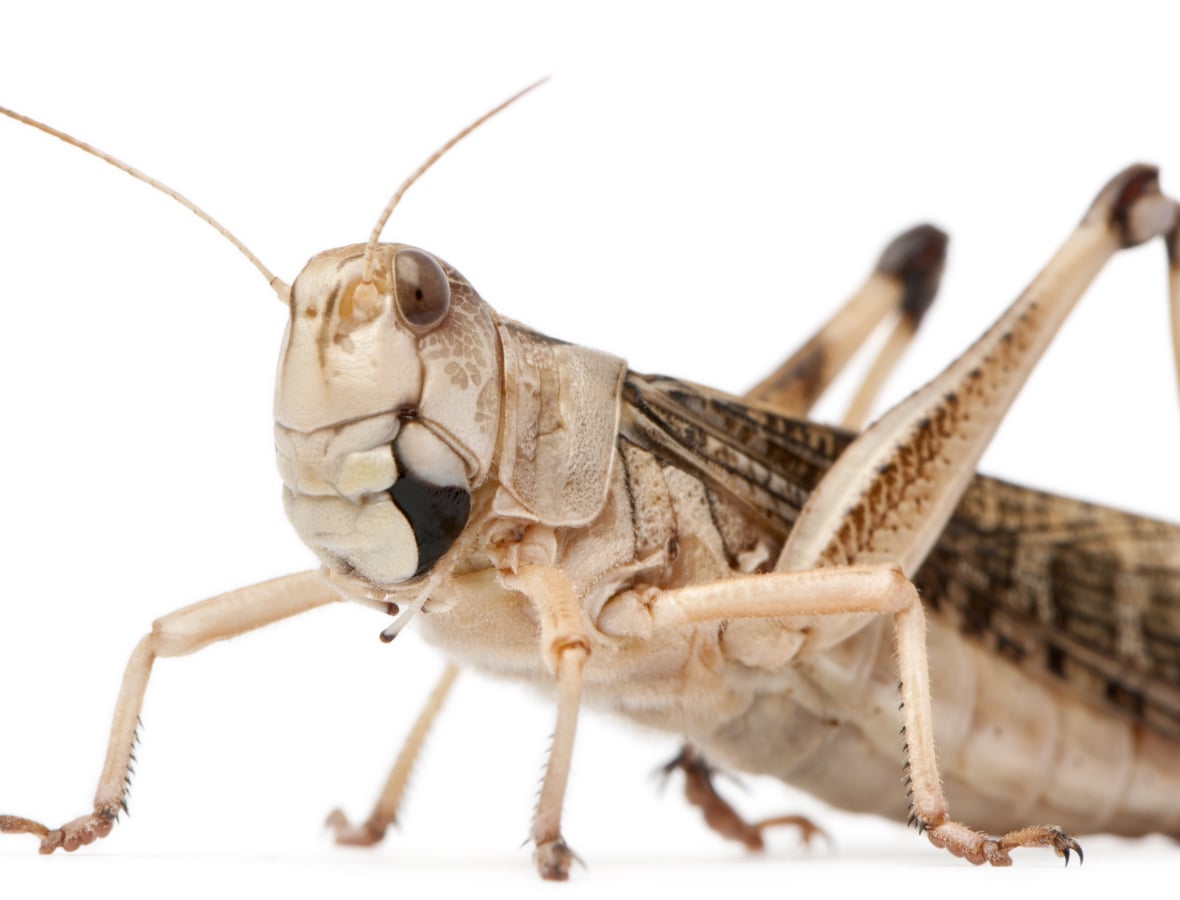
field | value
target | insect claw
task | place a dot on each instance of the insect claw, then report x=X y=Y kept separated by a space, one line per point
x=1064 y=844
x=676 y=762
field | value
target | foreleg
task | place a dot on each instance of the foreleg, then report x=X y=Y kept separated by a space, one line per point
x=385 y=810
x=177 y=634
x=566 y=647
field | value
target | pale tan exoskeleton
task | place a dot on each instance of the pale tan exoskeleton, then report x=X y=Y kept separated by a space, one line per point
x=720 y=568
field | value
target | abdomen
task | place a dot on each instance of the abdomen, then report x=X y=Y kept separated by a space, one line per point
x=1012 y=749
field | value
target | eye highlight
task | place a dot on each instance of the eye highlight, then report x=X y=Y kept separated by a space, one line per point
x=421 y=290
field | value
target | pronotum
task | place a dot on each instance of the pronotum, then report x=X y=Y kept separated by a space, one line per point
x=786 y=596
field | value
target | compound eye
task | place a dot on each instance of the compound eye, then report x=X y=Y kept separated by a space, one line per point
x=421 y=290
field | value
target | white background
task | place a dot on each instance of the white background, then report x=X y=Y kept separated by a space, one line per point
x=694 y=190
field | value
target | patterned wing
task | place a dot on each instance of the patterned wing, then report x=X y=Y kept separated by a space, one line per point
x=1071 y=591
x=1074 y=590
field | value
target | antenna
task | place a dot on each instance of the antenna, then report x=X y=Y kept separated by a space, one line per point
x=375 y=235
x=280 y=287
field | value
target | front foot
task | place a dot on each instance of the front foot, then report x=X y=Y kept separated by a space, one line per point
x=78 y=833
x=367 y=834
x=553 y=859
x=979 y=848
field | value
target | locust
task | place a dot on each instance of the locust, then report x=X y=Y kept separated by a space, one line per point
x=852 y=610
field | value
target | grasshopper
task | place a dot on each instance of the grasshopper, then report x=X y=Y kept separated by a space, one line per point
x=783 y=595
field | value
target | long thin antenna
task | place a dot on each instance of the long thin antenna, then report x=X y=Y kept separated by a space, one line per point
x=375 y=235
x=278 y=285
